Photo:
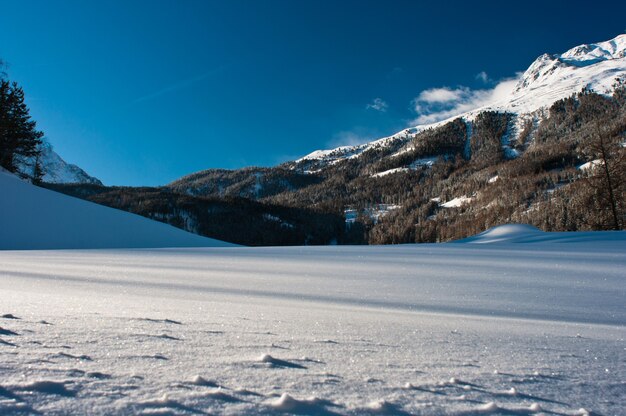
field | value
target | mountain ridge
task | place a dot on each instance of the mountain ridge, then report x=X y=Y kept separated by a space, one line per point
x=549 y=78
x=54 y=168
x=532 y=158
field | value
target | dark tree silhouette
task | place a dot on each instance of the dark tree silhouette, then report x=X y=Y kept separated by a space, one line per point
x=19 y=137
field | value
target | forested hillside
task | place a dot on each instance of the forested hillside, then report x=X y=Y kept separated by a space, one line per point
x=565 y=172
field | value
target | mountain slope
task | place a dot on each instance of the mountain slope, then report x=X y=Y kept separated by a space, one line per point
x=55 y=169
x=548 y=79
x=36 y=218
x=515 y=160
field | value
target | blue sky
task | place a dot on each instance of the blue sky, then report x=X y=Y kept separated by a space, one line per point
x=143 y=92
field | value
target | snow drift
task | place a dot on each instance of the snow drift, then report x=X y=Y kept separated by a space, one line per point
x=524 y=233
x=36 y=218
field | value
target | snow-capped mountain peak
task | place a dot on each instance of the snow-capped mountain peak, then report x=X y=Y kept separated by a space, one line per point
x=594 y=66
x=590 y=65
x=590 y=54
x=54 y=168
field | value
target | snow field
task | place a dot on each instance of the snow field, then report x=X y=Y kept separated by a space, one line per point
x=432 y=329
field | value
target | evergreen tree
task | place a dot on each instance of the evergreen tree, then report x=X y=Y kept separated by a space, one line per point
x=19 y=137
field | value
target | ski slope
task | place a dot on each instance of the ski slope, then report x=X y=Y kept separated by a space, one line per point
x=37 y=218
x=508 y=327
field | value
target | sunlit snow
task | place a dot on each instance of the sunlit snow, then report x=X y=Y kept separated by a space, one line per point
x=500 y=328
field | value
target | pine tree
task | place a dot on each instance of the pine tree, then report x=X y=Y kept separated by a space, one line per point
x=607 y=177
x=19 y=137
x=38 y=172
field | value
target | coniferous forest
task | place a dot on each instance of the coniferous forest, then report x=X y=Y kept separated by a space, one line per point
x=564 y=171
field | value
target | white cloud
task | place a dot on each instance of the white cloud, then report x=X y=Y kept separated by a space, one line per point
x=439 y=104
x=441 y=95
x=378 y=104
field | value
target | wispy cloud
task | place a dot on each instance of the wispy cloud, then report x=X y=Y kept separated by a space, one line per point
x=482 y=76
x=439 y=104
x=395 y=73
x=179 y=85
x=349 y=138
x=378 y=104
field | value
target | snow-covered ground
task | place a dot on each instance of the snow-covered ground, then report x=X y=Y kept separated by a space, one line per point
x=460 y=329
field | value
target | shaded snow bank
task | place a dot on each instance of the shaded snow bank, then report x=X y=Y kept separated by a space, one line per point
x=524 y=233
x=37 y=218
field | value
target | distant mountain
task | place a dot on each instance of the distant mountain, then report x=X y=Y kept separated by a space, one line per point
x=550 y=152
x=55 y=169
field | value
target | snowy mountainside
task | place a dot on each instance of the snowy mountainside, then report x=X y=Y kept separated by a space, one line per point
x=37 y=218
x=55 y=169
x=549 y=78
x=515 y=160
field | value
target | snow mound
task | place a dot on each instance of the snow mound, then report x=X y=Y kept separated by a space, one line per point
x=35 y=218
x=524 y=233
x=311 y=406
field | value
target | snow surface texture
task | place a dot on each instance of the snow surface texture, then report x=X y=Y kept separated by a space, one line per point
x=55 y=169
x=550 y=78
x=36 y=218
x=454 y=329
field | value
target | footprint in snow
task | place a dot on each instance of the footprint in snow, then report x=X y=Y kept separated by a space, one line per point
x=9 y=394
x=275 y=362
x=280 y=347
x=166 y=336
x=74 y=372
x=7 y=332
x=10 y=344
x=58 y=388
x=289 y=404
x=218 y=394
x=152 y=357
x=201 y=381
x=164 y=321
x=384 y=407
x=166 y=402
x=98 y=375
x=325 y=341
x=425 y=389
x=71 y=356
x=372 y=380
x=161 y=336
x=246 y=392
